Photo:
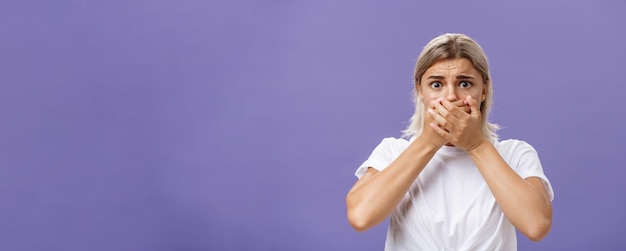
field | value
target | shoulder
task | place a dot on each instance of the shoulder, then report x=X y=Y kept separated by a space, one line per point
x=392 y=146
x=394 y=143
x=513 y=145
x=518 y=153
x=385 y=152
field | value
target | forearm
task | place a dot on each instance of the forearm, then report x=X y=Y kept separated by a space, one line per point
x=528 y=209
x=370 y=202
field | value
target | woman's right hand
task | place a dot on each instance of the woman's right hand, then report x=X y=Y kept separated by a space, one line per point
x=429 y=134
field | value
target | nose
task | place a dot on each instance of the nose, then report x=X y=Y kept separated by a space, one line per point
x=451 y=93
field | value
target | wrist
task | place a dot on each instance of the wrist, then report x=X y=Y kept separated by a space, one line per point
x=424 y=143
x=478 y=148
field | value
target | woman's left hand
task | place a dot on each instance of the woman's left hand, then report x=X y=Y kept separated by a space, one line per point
x=462 y=129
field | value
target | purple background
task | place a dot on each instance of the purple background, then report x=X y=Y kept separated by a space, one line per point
x=238 y=125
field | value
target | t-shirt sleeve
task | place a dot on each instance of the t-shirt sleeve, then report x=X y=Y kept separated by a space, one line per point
x=527 y=164
x=385 y=153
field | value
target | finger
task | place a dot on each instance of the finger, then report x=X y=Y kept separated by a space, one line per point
x=440 y=131
x=432 y=103
x=440 y=120
x=465 y=109
x=450 y=108
x=462 y=105
x=453 y=108
x=473 y=104
x=438 y=107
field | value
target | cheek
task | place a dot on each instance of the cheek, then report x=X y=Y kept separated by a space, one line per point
x=428 y=97
x=478 y=97
x=424 y=92
x=477 y=94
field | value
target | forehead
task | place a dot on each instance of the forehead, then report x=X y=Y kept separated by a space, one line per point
x=452 y=66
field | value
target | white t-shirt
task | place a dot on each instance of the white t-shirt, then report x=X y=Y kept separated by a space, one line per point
x=450 y=206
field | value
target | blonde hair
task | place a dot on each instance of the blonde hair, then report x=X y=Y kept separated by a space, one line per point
x=450 y=46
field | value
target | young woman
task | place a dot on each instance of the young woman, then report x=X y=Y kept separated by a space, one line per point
x=453 y=185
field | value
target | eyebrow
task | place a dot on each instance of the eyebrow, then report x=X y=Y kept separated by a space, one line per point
x=457 y=77
x=464 y=77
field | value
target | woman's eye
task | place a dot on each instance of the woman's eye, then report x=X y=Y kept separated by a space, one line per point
x=465 y=84
x=435 y=84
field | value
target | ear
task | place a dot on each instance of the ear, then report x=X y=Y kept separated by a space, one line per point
x=484 y=95
x=418 y=88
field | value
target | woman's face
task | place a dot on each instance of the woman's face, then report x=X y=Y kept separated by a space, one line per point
x=452 y=79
